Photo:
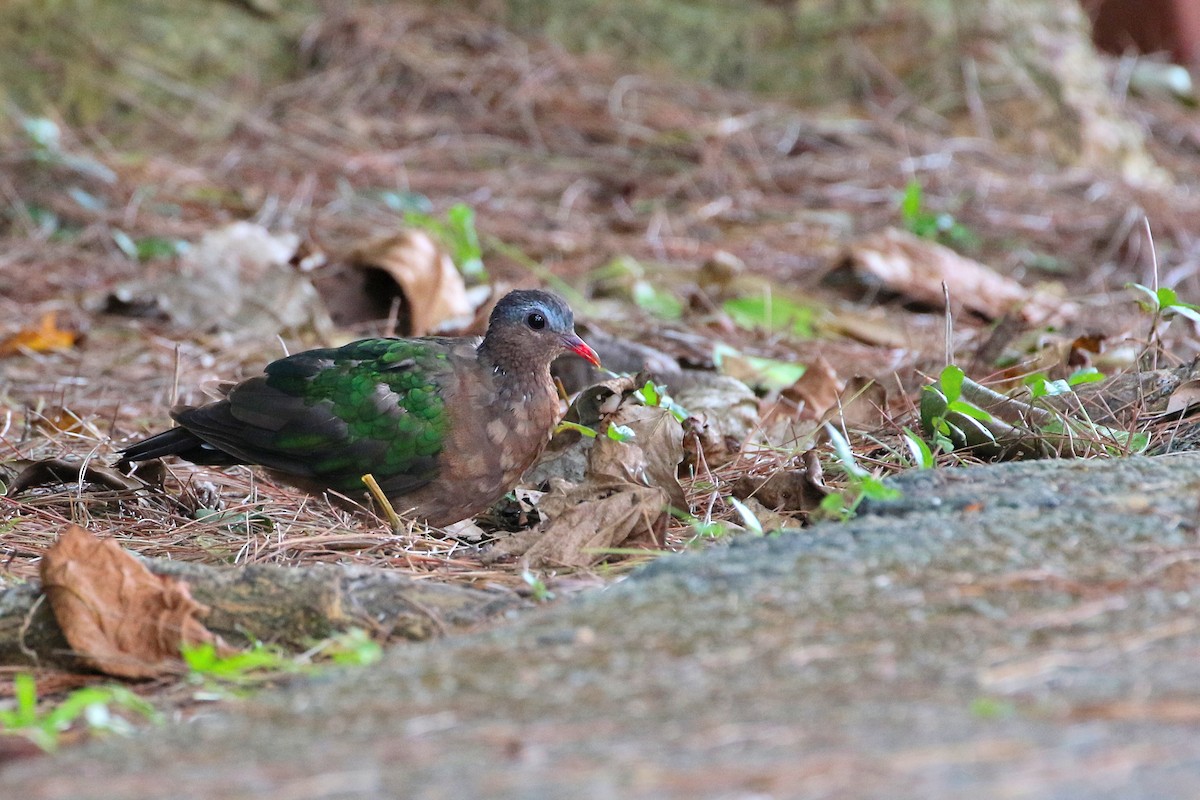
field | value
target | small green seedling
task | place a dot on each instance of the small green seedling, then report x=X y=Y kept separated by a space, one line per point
x=991 y=708
x=1040 y=386
x=243 y=668
x=458 y=234
x=948 y=390
x=1164 y=302
x=861 y=484
x=701 y=529
x=354 y=648
x=93 y=704
x=942 y=227
x=627 y=276
x=918 y=449
x=767 y=373
x=583 y=430
x=656 y=302
x=618 y=433
x=1014 y=428
x=655 y=395
x=537 y=586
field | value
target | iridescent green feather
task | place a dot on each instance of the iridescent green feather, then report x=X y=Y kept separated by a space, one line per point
x=409 y=434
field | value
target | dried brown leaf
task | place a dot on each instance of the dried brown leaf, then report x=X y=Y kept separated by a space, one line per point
x=121 y=618
x=798 y=488
x=815 y=392
x=566 y=456
x=425 y=274
x=54 y=471
x=722 y=416
x=650 y=458
x=627 y=489
x=1185 y=397
x=917 y=268
x=598 y=515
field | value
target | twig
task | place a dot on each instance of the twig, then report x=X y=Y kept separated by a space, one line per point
x=392 y=517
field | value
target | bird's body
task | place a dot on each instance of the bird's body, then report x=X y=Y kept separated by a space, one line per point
x=446 y=426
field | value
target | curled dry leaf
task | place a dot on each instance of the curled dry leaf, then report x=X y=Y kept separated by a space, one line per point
x=118 y=616
x=55 y=471
x=811 y=396
x=1184 y=399
x=917 y=268
x=769 y=519
x=793 y=487
x=432 y=286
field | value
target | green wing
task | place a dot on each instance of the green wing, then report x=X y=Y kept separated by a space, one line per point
x=334 y=415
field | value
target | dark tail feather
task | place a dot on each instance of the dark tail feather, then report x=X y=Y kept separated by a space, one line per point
x=175 y=442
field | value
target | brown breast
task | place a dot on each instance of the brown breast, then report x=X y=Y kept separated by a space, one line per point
x=498 y=428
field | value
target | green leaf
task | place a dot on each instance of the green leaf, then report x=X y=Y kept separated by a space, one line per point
x=355 y=647
x=661 y=304
x=991 y=708
x=1085 y=375
x=834 y=506
x=874 y=489
x=968 y=410
x=1185 y=310
x=910 y=202
x=841 y=448
x=655 y=396
x=240 y=667
x=951 y=381
x=540 y=592
x=152 y=247
x=468 y=253
x=772 y=313
x=1039 y=386
x=620 y=433
x=649 y=394
x=1152 y=297
x=768 y=373
x=1137 y=442
x=458 y=235
x=922 y=456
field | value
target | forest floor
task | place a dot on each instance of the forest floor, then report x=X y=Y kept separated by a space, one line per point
x=727 y=232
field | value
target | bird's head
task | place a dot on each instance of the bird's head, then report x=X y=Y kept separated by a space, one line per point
x=532 y=328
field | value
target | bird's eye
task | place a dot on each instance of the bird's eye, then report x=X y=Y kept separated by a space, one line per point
x=536 y=321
